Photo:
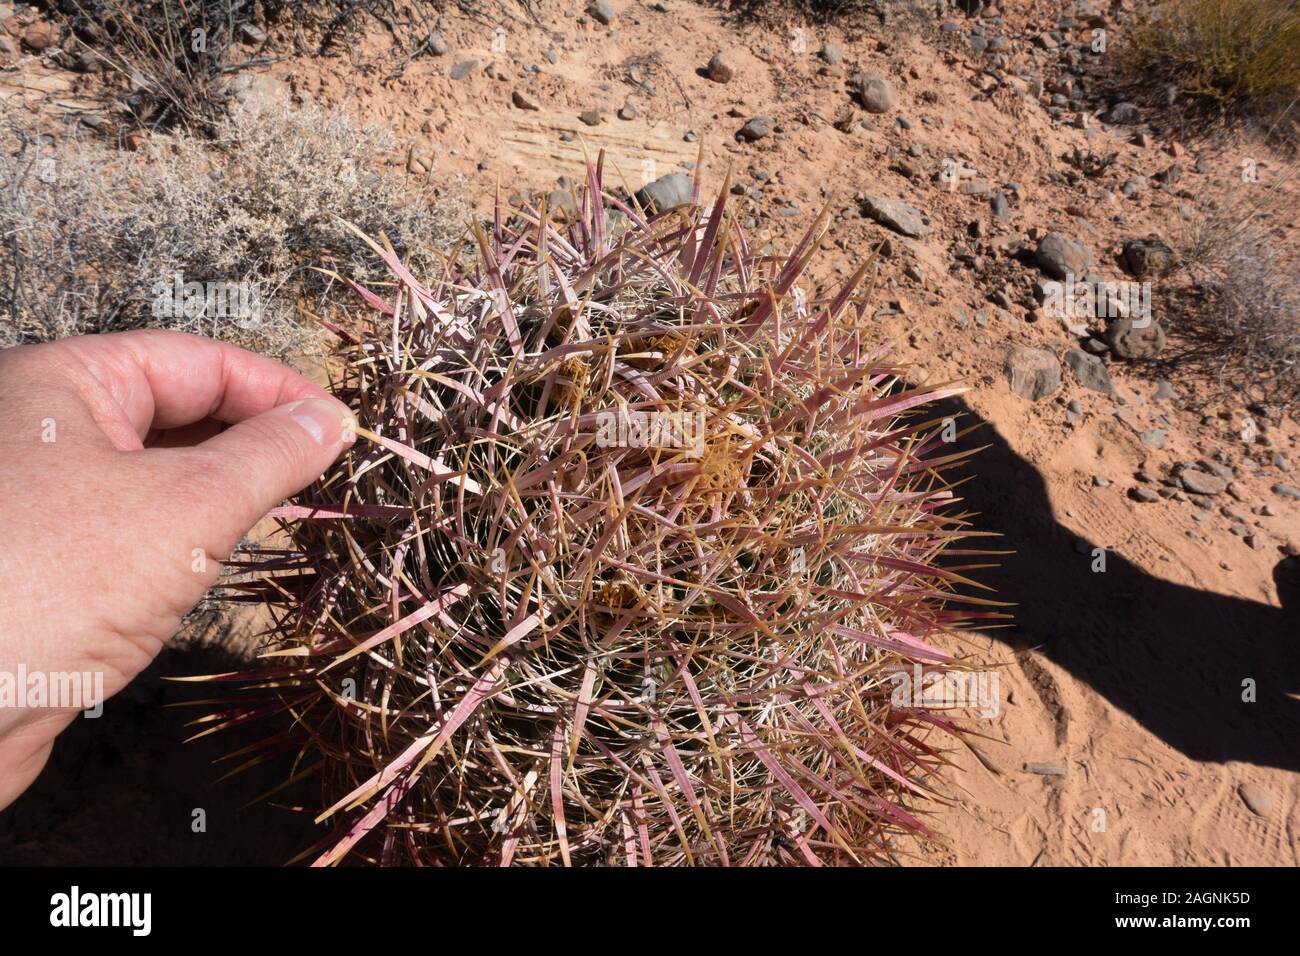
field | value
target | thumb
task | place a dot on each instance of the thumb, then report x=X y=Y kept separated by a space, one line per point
x=269 y=457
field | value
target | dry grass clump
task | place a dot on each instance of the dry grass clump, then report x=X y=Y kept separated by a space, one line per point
x=92 y=233
x=1242 y=310
x=169 y=56
x=175 y=60
x=624 y=565
x=1231 y=52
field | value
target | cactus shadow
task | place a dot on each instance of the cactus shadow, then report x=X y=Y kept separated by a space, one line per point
x=1172 y=657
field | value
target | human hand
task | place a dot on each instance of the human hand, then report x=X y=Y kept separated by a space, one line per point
x=120 y=494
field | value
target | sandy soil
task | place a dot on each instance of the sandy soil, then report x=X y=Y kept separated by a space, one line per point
x=1129 y=680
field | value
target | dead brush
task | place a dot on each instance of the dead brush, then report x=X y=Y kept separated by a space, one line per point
x=1240 y=311
x=1093 y=165
x=171 y=57
x=623 y=566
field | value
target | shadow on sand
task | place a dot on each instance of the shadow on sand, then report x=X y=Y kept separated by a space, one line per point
x=1172 y=657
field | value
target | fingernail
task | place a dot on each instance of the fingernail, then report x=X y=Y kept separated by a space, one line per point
x=322 y=420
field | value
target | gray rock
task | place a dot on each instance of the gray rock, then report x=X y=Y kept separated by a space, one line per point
x=1032 y=373
x=1001 y=207
x=463 y=69
x=1146 y=495
x=720 y=69
x=1148 y=257
x=1059 y=256
x=895 y=215
x=1286 y=491
x=1165 y=392
x=590 y=117
x=756 y=128
x=602 y=11
x=1132 y=187
x=875 y=93
x=1090 y=371
x=666 y=192
x=438 y=45
x=1256 y=799
x=1215 y=468
x=831 y=53
x=1124 y=114
x=258 y=89
x=1154 y=438
x=1135 y=339
x=561 y=200
x=1201 y=483
x=523 y=101
x=1045 y=769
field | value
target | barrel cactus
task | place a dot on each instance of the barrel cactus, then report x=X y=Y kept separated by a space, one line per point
x=632 y=542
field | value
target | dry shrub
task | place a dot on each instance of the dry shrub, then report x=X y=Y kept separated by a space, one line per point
x=1242 y=309
x=92 y=231
x=174 y=60
x=845 y=13
x=520 y=622
x=169 y=56
x=1232 y=52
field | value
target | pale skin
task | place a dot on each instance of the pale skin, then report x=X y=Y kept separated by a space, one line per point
x=126 y=462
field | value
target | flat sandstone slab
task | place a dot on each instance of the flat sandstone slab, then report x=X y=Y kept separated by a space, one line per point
x=636 y=152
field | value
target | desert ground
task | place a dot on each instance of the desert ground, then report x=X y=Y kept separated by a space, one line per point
x=1121 y=735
